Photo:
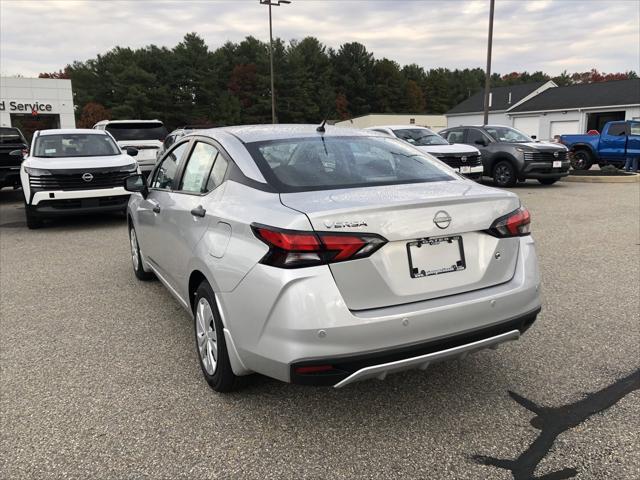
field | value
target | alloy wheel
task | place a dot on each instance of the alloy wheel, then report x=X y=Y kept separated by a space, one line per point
x=207 y=336
x=502 y=174
x=135 y=252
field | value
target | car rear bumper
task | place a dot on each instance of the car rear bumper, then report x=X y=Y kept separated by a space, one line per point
x=298 y=318
x=68 y=202
x=346 y=370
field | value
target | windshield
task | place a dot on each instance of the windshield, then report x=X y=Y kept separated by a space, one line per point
x=137 y=131
x=420 y=137
x=10 y=136
x=75 y=145
x=507 y=135
x=319 y=163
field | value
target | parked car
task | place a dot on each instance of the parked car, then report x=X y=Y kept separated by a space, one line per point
x=11 y=139
x=463 y=158
x=617 y=141
x=509 y=156
x=179 y=133
x=330 y=255
x=146 y=136
x=74 y=171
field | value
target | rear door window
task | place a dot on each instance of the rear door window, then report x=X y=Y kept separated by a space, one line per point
x=473 y=135
x=618 y=129
x=198 y=168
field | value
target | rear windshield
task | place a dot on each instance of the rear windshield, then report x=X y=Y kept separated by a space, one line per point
x=10 y=136
x=319 y=163
x=74 y=145
x=420 y=137
x=137 y=131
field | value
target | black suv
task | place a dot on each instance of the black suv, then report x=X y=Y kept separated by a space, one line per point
x=10 y=139
x=509 y=156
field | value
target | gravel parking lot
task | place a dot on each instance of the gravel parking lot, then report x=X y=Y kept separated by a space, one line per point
x=100 y=377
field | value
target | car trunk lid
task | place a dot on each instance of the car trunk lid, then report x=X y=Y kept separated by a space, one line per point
x=404 y=215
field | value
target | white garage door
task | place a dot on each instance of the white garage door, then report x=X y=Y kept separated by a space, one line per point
x=564 y=127
x=527 y=125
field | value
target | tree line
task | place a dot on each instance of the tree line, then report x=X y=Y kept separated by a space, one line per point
x=192 y=84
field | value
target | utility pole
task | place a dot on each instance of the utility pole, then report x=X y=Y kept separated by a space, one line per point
x=487 y=81
x=275 y=3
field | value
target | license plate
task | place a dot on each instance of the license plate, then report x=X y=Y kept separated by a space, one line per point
x=465 y=169
x=435 y=256
x=557 y=163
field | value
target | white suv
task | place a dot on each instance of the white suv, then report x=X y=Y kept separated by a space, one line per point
x=463 y=158
x=146 y=136
x=69 y=171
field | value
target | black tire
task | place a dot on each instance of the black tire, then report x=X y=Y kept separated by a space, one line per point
x=504 y=174
x=33 y=220
x=136 y=258
x=581 y=160
x=218 y=373
x=547 y=181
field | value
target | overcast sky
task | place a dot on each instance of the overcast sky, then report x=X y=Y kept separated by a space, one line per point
x=550 y=35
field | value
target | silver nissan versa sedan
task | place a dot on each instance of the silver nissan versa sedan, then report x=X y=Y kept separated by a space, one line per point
x=325 y=256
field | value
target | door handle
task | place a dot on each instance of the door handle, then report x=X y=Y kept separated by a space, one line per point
x=198 y=211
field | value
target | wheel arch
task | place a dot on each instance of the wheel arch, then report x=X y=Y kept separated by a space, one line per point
x=505 y=158
x=583 y=146
x=196 y=277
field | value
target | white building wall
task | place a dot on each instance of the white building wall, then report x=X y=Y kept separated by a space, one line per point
x=56 y=94
x=435 y=122
x=495 y=118
x=573 y=121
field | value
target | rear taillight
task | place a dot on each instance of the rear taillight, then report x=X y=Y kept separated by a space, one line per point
x=514 y=224
x=295 y=249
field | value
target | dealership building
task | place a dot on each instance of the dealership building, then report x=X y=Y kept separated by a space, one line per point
x=36 y=104
x=545 y=110
x=435 y=122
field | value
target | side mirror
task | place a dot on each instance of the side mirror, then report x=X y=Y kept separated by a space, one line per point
x=481 y=142
x=17 y=153
x=533 y=137
x=132 y=152
x=137 y=183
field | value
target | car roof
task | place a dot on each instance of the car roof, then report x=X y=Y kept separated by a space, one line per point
x=106 y=122
x=478 y=126
x=261 y=133
x=403 y=127
x=62 y=131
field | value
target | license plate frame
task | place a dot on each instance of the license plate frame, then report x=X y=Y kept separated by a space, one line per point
x=465 y=169
x=415 y=271
x=557 y=164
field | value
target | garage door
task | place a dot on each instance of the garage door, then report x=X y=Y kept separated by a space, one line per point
x=527 y=125
x=564 y=127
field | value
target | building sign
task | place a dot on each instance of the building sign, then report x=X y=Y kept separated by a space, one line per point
x=33 y=108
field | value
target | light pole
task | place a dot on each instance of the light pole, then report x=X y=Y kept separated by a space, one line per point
x=274 y=3
x=487 y=80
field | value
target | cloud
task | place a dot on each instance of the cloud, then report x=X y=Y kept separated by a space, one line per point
x=548 y=35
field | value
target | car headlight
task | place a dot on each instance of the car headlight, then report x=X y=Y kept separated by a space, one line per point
x=132 y=167
x=36 y=172
x=520 y=149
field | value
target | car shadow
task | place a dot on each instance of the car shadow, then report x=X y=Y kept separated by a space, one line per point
x=526 y=184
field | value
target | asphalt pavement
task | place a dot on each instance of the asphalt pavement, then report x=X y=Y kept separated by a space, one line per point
x=99 y=376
